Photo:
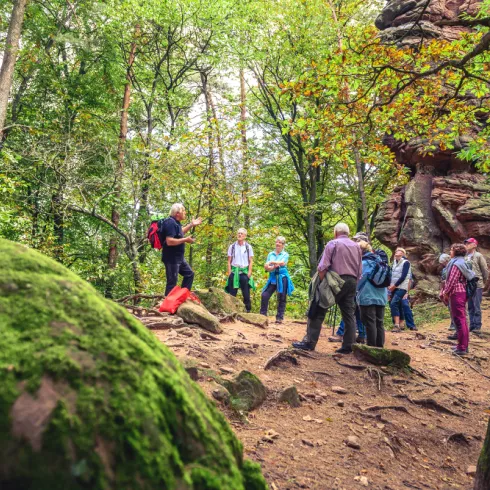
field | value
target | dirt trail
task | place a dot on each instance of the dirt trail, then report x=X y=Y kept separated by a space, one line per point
x=410 y=446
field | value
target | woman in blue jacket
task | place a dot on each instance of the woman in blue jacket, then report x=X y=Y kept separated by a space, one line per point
x=279 y=280
x=371 y=300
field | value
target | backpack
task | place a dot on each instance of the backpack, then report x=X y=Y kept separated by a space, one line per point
x=380 y=276
x=471 y=287
x=155 y=234
x=247 y=248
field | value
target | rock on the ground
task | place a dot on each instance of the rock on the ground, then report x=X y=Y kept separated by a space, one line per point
x=339 y=390
x=253 y=319
x=247 y=391
x=191 y=312
x=353 y=442
x=381 y=357
x=221 y=394
x=290 y=395
x=471 y=470
x=92 y=399
x=219 y=302
x=193 y=372
x=167 y=321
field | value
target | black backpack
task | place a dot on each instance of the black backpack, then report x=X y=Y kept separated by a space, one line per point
x=380 y=276
x=471 y=287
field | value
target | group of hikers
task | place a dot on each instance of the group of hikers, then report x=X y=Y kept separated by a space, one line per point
x=351 y=275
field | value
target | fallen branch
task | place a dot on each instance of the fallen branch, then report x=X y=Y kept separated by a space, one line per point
x=304 y=353
x=398 y=408
x=142 y=309
x=429 y=403
x=208 y=336
x=132 y=297
x=471 y=366
x=357 y=367
x=323 y=373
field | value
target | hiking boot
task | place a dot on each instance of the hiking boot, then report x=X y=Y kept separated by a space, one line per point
x=396 y=329
x=343 y=350
x=458 y=352
x=336 y=338
x=360 y=340
x=452 y=337
x=476 y=331
x=303 y=345
x=452 y=327
x=414 y=329
x=278 y=320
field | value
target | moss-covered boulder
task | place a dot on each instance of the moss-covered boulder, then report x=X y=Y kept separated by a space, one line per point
x=192 y=312
x=246 y=390
x=482 y=479
x=219 y=302
x=90 y=399
x=381 y=357
x=253 y=319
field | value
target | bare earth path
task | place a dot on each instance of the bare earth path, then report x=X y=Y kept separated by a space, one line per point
x=413 y=445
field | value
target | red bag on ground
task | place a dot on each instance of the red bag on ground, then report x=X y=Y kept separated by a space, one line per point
x=174 y=299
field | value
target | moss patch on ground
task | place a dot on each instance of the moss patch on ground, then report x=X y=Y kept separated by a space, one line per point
x=89 y=398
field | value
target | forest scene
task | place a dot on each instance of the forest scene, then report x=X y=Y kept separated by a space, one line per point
x=326 y=159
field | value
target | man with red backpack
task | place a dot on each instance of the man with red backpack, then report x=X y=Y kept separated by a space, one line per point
x=171 y=234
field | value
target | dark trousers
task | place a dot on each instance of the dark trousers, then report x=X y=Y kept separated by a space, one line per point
x=281 y=299
x=347 y=305
x=474 y=310
x=245 y=288
x=372 y=317
x=173 y=270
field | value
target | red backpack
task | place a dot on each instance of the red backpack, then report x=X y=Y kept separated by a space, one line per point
x=155 y=233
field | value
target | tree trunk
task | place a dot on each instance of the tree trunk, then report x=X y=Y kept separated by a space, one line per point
x=123 y=132
x=362 y=193
x=58 y=222
x=9 y=58
x=312 y=224
x=482 y=480
x=245 y=161
x=211 y=169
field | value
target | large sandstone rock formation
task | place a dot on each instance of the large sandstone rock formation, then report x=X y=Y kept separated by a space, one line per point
x=445 y=201
x=90 y=399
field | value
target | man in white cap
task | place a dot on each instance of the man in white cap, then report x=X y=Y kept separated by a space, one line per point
x=479 y=267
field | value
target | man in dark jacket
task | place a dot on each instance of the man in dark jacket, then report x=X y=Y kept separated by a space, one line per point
x=343 y=256
x=174 y=246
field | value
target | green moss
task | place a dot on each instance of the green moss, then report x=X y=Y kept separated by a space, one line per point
x=219 y=302
x=382 y=357
x=118 y=410
x=246 y=390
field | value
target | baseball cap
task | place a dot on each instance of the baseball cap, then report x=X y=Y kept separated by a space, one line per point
x=360 y=236
x=471 y=240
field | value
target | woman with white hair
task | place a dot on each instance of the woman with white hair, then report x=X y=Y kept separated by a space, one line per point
x=401 y=273
x=279 y=280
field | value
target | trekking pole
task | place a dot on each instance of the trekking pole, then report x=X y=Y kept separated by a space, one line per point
x=334 y=318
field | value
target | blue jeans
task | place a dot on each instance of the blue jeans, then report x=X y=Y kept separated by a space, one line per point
x=474 y=310
x=407 y=314
x=396 y=301
x=361 y=329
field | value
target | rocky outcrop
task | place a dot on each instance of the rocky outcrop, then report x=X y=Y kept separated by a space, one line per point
x=407 y=21
x=91 y=399
x=445 y=200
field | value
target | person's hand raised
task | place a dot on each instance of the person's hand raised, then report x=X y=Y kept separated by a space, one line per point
x=196 y=221
x=190 y=239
